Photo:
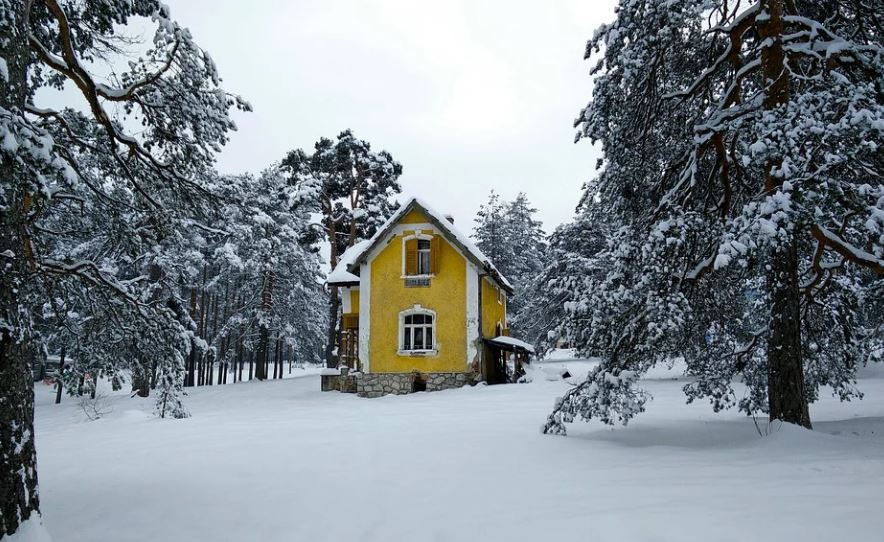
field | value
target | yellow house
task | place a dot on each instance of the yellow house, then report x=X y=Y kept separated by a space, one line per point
x=423 y=308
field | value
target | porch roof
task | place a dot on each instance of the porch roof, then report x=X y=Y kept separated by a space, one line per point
x=510 y=344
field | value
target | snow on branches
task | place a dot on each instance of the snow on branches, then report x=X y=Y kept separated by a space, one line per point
x=742 y=184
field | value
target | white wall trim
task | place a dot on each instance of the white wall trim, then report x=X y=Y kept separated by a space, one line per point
x=473 y=309
x=346 y=301
x=365 y=316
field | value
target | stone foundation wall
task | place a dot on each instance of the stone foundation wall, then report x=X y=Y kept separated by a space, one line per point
x=378 y=384
x=344 y=384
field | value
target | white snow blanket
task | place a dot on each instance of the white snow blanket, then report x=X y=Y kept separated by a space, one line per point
x=280 y=461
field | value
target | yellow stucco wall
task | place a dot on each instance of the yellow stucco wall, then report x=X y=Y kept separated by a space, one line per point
x=413 y=217
x=446 y=296
x=354 y=301
x=492 y=310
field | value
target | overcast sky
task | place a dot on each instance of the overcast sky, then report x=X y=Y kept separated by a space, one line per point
x=468 y=95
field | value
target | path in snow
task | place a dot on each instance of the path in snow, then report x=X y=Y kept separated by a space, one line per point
x=280 y=461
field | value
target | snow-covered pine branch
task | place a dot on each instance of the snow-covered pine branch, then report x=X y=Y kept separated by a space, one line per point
x=742 y=184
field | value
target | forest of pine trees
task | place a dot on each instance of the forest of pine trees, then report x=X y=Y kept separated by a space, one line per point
x=125 y=253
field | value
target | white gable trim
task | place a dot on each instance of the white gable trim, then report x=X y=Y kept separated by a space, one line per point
x=473 y=309
x=365 y=316
x=346 y=301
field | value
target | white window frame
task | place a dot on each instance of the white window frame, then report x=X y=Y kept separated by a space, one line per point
x=419 y=236
x=416 y=310
x=420 y=251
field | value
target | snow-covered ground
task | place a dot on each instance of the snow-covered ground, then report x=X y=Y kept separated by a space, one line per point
x=281 y=461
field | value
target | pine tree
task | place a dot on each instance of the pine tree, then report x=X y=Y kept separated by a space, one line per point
x=353 y=189
x=509 y=235
x=743 y=175
x=136 y=189
x=529 y=244
x=492 y=235
x=569 y=262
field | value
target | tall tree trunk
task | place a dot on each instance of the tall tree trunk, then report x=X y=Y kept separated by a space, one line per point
x=331 y=360
x=239 y=359
x=19 y=498
x=263 y=353
x=144 y=368
x=191 y=358
x=334 y=304
x=785 y=381
x=58 y=379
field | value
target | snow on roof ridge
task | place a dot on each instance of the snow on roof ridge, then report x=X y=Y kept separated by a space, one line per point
x=461 y=237
x=341 y=271
x=356 y=251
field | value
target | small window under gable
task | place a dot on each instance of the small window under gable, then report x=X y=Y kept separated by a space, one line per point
x=420 y=258
x=423 y=257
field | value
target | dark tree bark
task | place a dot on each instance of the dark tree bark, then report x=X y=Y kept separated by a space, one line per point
x=58 y=379
x=786 y=396
x=141 y=376
x=239 y=360
x=19 y=498
x=334 y=304
x=189 y=379
x=263 y=351
x=785 y=388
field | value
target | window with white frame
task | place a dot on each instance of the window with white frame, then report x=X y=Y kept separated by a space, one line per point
x=423 y=256
x=418 y=331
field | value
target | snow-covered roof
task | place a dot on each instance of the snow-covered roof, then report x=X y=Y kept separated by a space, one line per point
x=503 y=339
x=343 y=272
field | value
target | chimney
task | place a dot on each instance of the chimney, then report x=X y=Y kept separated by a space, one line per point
x=449 y=218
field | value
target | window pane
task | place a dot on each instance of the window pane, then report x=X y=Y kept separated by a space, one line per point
x=407 y=336
x=429 y=342
x=409 y=320
x=423 y=244
x=423 y=263
x=418 y=338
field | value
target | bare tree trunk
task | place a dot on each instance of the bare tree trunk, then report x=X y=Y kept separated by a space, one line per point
x=19 y=498
x=142 y=373
x=58 y=379
x=785 y=388
x=331 y=360
x=189 y=380
x=263 y=351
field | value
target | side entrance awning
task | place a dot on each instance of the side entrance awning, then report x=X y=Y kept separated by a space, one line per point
x=510 y=344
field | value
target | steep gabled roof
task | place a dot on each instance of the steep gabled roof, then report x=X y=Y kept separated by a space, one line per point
x=344 y=272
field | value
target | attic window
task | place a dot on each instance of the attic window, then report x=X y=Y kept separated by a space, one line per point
x=420 y=255
x=423 y=256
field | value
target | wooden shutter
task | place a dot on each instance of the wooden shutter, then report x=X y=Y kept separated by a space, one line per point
x=435 y=254
x=411 y=257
